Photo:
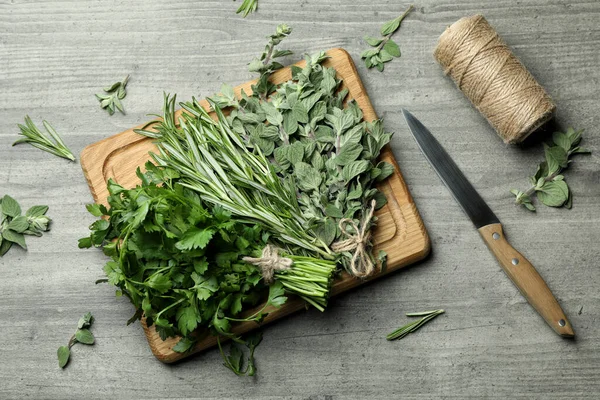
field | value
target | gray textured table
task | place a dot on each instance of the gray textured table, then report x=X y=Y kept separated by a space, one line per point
x=54 y=55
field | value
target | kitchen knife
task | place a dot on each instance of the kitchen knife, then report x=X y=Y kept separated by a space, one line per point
x=517 y=267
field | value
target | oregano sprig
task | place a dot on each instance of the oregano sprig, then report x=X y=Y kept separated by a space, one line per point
x=52 y=144
x=385 y=49
x=548 y=183
x=265 y=64
x=83 y=335
x=247 y=7
x=414 y=326
x=14 y=226
x=116 y=92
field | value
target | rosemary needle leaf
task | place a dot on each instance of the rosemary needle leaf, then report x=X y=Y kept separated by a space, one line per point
x=415 y=325
x=247 y=7
x=52 y=144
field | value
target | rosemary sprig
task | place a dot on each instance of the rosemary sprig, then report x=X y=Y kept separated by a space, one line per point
x=115 y=93
x=247 y=7
x=413 y=326
x=36 y=138
x=385 y=49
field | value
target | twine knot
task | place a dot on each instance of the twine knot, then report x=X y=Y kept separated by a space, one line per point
x=361 y=264
x=269 y=262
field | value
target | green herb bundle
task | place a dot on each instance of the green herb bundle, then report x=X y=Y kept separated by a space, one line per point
x=264 y=199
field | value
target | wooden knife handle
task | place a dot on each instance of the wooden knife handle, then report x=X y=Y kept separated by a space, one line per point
x=527 y=279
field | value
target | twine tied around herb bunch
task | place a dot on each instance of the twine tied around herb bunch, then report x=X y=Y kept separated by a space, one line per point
x=269 y=262
x=492 y=77
x=361 y=264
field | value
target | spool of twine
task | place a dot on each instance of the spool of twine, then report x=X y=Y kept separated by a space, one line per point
x=491 y=76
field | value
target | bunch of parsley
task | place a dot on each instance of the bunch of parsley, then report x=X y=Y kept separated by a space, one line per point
x=181 y=263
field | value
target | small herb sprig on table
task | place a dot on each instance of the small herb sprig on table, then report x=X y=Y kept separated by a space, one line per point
x=13 y=225
x=385 y=49
x=116 y=92
x=247 y=7
x=265 y=65
x=53 y=144
x=548 y=184
x=414 y=326
x=82 y=335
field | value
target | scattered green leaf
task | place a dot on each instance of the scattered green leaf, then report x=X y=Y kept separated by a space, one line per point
x=385 y=49
x=548 y=183
x=111 y=99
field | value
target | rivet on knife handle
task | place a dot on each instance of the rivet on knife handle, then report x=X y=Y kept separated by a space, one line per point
x=527 y=279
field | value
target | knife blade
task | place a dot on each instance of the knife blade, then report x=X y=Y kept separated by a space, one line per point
x=517 y=267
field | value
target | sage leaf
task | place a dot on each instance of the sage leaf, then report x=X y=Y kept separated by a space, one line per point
x=348 y=153
x=85 y=321
x=387 y=170
x=5 y=245
x=556 y=157
x=36 y=211
x=15 y=237
x=19 y=224
x=373 y=41
x=390 y=27
x=355 y=168
x=553 y=193
x=333 y=211
x=63 y=354
x=10 y=206
x=327 y=231
x=307 y=177
x=84 y=336
x=392 y=48
x=295 y=153
x=562 y=140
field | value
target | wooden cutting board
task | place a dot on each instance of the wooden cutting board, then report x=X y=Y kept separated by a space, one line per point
x=399 y=232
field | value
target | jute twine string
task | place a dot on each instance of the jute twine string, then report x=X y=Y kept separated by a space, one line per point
x=491 y=76
x=361 y=264
x=269 y=262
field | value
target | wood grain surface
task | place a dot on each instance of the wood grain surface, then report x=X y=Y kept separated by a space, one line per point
x=54 y=55
x=399 y=232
